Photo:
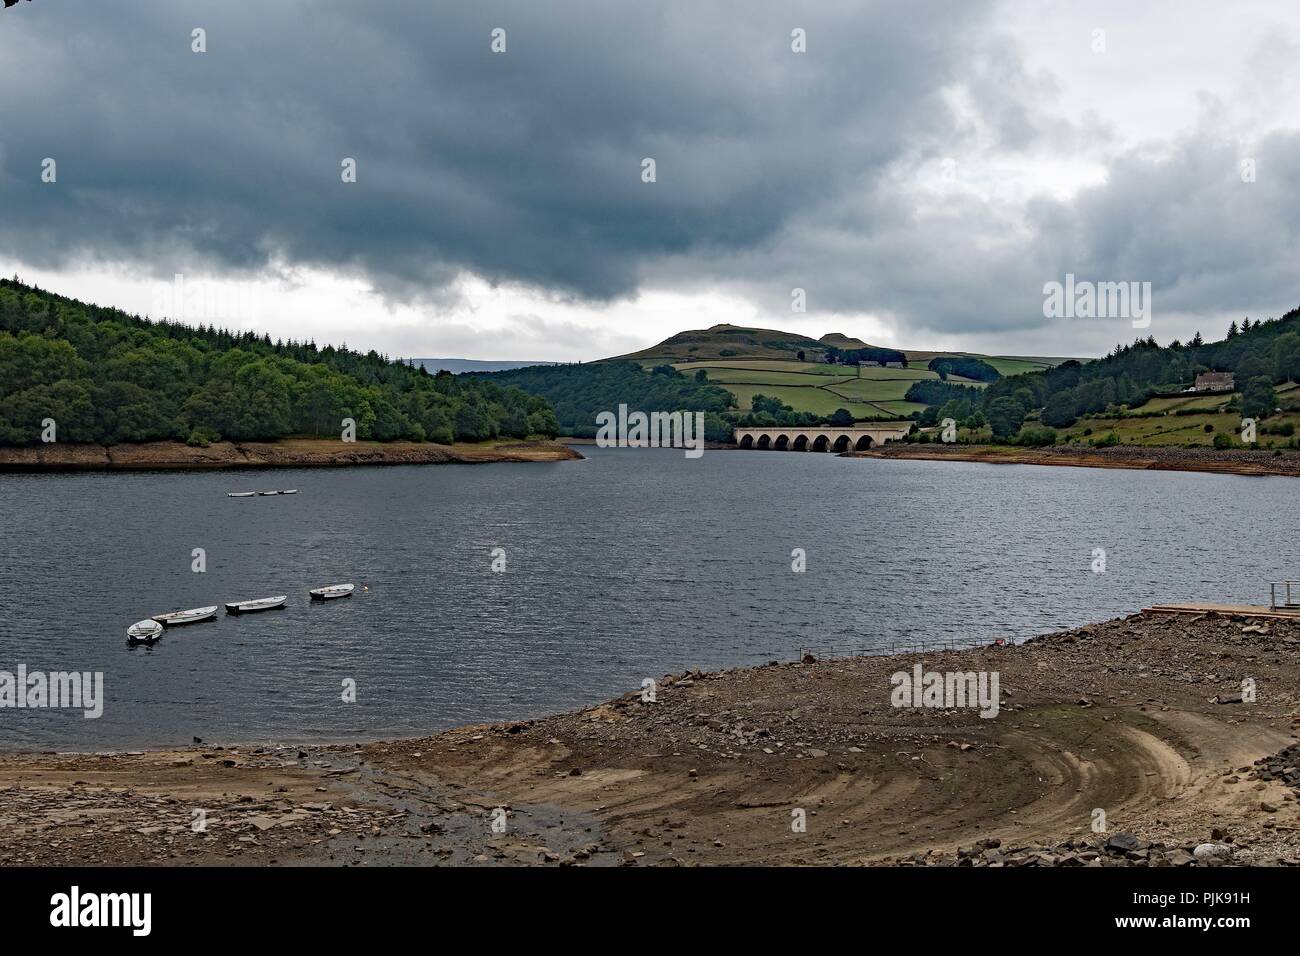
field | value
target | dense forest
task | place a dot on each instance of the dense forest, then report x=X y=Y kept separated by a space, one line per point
x=1260 y=354
x=579 y=392
x=871 y=353
x=107 y=377
x=975 y=369
x=766 y=411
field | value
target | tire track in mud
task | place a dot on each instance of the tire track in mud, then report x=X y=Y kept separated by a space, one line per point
x=1038 y=781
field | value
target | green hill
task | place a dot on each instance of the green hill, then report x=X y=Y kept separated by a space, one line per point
x=107 y=377
x=841 y=341
x=795 y=369
x=726 y=342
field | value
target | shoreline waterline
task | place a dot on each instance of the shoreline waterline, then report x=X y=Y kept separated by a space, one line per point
x=1121 y=457
x=288 y=453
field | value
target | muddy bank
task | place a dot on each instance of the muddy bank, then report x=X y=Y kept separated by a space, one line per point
x=1233 y=462
x=1123 y=717
x=290 y=453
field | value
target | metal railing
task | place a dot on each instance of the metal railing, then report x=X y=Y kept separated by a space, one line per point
x=1272 y=591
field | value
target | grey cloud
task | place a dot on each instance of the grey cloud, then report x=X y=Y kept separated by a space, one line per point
x=775 y=170
x=522 y=167
x=1212 y=246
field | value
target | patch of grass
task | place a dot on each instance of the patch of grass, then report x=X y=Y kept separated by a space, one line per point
x=747 y=376
x=1182 y=429
x=901 y=409
x=761 y=366
x=820 y=388
x=1009 y=366
x=871 y=390
x=815 y=386
x=815 y=400
x=1209 y=403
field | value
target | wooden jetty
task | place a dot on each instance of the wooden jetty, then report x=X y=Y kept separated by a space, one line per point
x=1228 y=610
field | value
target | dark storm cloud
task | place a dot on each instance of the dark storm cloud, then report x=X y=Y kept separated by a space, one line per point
x=521 y=166
x=775 y=170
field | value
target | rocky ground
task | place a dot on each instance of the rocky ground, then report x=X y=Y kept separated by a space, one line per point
x=1123 y=743
x=1239 y=461
x=289 y=453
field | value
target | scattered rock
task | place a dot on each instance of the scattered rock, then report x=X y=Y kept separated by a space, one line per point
x=1213 y=853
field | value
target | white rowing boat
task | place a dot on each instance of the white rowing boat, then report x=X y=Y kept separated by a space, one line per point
x=267 y=494
x=241 y=494
x=289 y=491
x=192 y=616
x=261 y=604
x=331 y=592
x=144 y=632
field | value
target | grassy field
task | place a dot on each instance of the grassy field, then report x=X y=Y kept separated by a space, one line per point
x=1014 y=365
x=1162 y=430
x=818 y=387
x=806 y=399
x=749 y=361
x=1173 y=403
x=755 y=376
x=1159 y=425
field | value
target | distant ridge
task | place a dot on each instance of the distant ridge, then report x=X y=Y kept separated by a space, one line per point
x=841 y=341
x=456 y=366
x=731 y=343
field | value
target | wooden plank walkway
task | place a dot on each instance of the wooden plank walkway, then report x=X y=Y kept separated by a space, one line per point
x=1227 y=610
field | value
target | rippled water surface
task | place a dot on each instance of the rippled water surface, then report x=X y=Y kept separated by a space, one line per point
x=633 y=563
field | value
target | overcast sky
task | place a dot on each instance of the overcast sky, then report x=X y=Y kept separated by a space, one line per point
x=920 y=171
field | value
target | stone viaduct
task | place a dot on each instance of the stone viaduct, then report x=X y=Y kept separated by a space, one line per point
x=852 y=438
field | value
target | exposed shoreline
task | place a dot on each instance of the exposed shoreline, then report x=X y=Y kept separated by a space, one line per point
x=1136 y=716
x=289 y=453
x=1230 y=461
x=1130 y=457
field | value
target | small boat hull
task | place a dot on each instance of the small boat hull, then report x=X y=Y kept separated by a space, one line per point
x=241 y=494
x=144 y=632
x=192 y=616
x=252 y=607
x=332 y=592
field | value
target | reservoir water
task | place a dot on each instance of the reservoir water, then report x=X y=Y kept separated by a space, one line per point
x=631 y=564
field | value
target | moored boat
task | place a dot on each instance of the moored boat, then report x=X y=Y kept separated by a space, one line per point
x=241 y=494
x=192 y=616
x=144 y=632
x=332 y=591
x=260 y=604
